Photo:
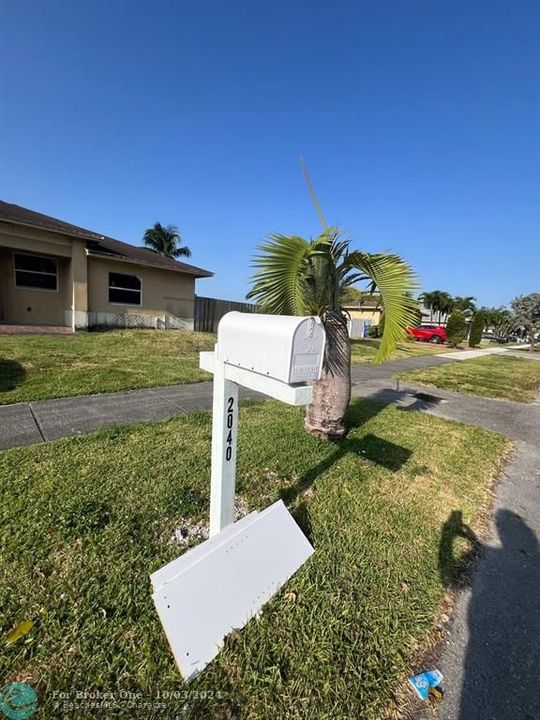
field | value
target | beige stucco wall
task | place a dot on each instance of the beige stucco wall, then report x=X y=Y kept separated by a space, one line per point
x=82 y=298
x=373 y=315
x=32 y=306
x=34 y=240
x=166 y=295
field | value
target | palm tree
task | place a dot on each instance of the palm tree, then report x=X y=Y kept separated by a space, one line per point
x=165 y=240
x=466 y=303
x=496 y=319
x=436 y=301
x=445 y=304
x=295 y=276
x=429 y=300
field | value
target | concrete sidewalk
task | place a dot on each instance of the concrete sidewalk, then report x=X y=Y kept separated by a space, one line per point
x=43 y=420
x=28 y=423
x=491 y=655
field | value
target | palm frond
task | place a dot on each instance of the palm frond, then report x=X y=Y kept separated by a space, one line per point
x=313 y=196
x=394 y=278
x=279 y=283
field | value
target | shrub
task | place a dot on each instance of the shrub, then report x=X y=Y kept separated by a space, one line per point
x=373 y=331
x=456 y=328
x=477 y=327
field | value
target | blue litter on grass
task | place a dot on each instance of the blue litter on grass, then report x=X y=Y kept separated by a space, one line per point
x=424 y=680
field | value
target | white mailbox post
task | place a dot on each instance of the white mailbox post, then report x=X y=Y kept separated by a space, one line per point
x=223 y=582
x=273 y=354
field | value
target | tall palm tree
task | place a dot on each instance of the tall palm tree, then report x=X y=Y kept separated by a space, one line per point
x=165 y=240
x=295 y=276
x=445 y=304
x=466 y=303
x=438 y=301
x=496 y=319
x=429 y=300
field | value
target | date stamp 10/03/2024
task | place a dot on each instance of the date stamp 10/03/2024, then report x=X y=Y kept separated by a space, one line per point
x=165 y=700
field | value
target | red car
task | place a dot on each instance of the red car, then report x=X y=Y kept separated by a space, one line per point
x=428 y=333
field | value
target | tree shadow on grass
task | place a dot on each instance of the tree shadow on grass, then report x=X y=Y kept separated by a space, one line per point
x=12 y=374
x=369 y=447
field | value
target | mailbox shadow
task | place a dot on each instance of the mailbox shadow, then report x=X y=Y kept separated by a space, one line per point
x=301 y=514
x=370 y=447
x=12 y=374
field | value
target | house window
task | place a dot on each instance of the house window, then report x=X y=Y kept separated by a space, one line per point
x=33 y=271
x=125 y=289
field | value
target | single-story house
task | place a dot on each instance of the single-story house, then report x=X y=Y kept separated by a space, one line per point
x=55 y=273
x=368 y=310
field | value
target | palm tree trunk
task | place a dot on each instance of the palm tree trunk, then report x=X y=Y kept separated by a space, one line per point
x=332 y=392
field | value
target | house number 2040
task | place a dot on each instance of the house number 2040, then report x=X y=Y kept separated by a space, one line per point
x=230 y=423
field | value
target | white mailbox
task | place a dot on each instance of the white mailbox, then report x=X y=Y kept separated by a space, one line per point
x=221 y=583
x=286 y=348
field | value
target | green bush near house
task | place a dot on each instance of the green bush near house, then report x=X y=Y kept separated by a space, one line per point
x=373 y=331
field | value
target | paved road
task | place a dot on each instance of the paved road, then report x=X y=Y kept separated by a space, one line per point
x=34 y=422
x=491 y=658
x=519 y=421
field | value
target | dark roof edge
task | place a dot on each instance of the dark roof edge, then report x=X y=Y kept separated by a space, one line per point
x=112 y=249
x=182 y=267
x=57 y=231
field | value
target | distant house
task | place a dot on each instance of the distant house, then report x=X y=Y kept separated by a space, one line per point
x=55 y=273
x=368 y=310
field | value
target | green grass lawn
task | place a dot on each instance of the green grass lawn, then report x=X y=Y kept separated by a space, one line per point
x=84 y=521
x=495 y=376
x=36 y=367
x=39 y=367
x=364 y=350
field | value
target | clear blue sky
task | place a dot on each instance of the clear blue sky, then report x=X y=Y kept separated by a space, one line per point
x=419 y=121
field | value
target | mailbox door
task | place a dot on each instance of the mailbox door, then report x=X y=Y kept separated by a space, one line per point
x=307 y=351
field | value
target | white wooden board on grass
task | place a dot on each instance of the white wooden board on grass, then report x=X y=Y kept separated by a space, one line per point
x=222 y=583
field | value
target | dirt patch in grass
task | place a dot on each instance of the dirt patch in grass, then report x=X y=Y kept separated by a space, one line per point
x=84 y=521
